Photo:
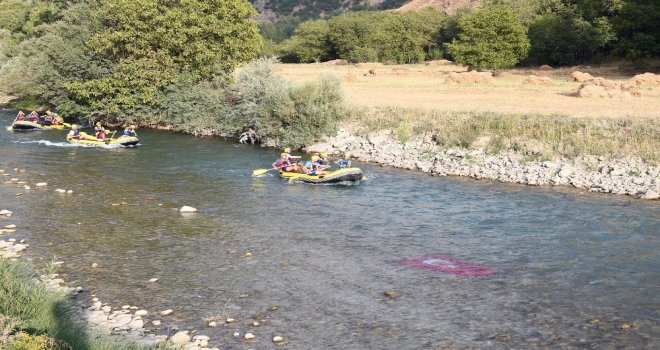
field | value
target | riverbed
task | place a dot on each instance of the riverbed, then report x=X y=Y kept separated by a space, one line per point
x=573 y=269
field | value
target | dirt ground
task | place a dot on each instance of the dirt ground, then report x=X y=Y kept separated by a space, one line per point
x=427 y=86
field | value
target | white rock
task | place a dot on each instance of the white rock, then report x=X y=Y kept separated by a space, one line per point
x=5 y=212
x=136 y=324
x=255 y=324
x=167 y=312
x=26 y=187
x=230 y=320
x=187 y=209
x=122 y=320
x=141 y=313
x=153 y=280
x=248 y=336
x=277 y=339
x=156 y=322
x=59 y=190
x=180 y=338
x=12 y=226
x=41 y=184
x=69 y=192
x=125 y=307
x=213 y=324
x=106 y=308
x=201 y=337
x=236 y=334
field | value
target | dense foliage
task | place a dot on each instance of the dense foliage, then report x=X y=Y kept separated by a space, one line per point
x=561 y=32
x=368 y=36
x=158 y=62
x=311 y=9
x=491 y=37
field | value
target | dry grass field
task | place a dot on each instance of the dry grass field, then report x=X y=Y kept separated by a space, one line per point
x=424 y=86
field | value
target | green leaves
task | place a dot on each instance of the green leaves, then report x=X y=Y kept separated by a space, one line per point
x=491 y=37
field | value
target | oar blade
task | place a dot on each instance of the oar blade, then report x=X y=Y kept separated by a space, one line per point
x=259 y=172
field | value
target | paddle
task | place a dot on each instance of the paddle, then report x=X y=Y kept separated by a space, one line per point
x=107 y=140
x=262 y=171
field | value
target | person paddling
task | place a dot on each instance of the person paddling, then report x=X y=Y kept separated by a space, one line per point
x=20 y=116
x=130 y=131
x=345 y=161
x=283 y=163
x=75 y=133
x=34 y=117
x=49 y=118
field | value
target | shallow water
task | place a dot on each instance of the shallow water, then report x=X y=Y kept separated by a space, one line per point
x=324 y=255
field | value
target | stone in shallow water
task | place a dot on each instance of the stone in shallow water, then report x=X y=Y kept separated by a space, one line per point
x=249 y=336
x=180 y=338
x=278 y=339
x=156 y=322
x=167 y=312
x=187 y=209
x=153 y=280
x=141 y=313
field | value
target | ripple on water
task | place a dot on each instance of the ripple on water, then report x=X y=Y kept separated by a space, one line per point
x=325 y=254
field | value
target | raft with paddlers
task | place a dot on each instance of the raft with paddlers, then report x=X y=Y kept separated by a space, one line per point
x=125 y=141
x=337 y=176
x=30 y=125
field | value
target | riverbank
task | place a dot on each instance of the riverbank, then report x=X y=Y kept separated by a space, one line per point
x=627 y=176
x=38 y=309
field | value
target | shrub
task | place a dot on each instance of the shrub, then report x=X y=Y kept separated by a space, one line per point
x=283 y=114
x=491 y=37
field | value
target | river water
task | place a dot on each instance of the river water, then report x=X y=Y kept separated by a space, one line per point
x=574 y=269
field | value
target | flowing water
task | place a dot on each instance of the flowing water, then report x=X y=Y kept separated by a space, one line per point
x=574 y=269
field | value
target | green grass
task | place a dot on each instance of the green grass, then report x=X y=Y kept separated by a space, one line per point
x=542 y=136
x=29 y=307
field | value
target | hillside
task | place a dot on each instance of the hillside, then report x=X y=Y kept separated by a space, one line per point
x=270 y=10
x=447 y=6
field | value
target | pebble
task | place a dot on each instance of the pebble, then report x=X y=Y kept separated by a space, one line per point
x=278 y=339
x=153 y=280
x=255 y=324
x=180 y=338
x=59 y=190
x=141 y=313
x=230 y=320
x=5 y=212
x=249 y=336
x=156 y=322
x=212 y=324
x=41 y=184
x=167 y=312
x=95 y=265
x=187 y=209
x=247 y=255
x=10 y=226
x=125 y=307
x=236 y=334
x=274 y=308
x=392 y=294
x=69 y=192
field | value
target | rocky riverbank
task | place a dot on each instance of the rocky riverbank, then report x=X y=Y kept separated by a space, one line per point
x=631 y=176
x=127 y=323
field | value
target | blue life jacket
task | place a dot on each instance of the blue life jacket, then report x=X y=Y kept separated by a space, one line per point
x=344 y=163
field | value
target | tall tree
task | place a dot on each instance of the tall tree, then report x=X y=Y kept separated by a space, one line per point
x=491 y=37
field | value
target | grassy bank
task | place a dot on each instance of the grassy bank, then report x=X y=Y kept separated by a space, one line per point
x=538 y=136
x=43 y=318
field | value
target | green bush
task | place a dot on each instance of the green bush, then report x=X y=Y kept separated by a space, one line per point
x=283 y=114
x=24 y=341
x=491 y=37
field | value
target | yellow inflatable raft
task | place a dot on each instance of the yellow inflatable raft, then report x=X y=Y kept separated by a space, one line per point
x=341 y=175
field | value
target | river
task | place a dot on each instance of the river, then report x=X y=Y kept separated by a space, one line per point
x=573 y=269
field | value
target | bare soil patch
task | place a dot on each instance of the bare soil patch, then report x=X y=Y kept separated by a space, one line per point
x=421 y=86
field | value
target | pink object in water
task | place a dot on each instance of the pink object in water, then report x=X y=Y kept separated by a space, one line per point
x=449 y=264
